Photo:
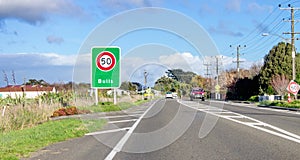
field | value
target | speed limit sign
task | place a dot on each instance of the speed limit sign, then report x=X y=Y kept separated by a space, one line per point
x=105 y=61
x=293 y=87
x=105 y=67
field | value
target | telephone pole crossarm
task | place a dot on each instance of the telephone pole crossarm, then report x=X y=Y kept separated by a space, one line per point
x=238 y=61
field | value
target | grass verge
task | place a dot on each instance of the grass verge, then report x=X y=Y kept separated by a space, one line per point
x=293 y=104
x=20 y=143
x=110 y=107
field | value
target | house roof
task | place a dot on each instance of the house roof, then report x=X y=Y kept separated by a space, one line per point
x=25 y=88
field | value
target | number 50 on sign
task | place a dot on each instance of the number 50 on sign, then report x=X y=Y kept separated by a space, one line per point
x=105 y=67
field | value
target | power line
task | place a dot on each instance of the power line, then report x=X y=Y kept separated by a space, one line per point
x=292 y=33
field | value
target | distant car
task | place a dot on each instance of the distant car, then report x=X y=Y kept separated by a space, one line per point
x=174 y=94
x=197 y=93
x=169 y=95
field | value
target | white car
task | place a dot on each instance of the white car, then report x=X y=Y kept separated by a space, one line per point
x=174 y=95
x=169 y=95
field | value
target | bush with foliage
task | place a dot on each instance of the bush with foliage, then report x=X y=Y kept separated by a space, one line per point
x=253 y=98
x=293 y=104
x=66 y=111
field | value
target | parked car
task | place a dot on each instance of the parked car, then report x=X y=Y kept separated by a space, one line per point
x=197 y=93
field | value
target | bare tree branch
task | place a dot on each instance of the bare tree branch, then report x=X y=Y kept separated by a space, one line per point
x=279 y=83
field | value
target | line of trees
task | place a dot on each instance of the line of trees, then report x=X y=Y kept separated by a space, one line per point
x=271 y=77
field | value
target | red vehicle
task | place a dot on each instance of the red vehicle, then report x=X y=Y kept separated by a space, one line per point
x=197 y=93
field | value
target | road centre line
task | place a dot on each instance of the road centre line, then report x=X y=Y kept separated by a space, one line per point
x=108 y=131
x=282 y=133
x=124 y=139
x=122 y=121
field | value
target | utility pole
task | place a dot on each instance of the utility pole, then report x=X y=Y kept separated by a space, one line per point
x=207 y=69
x=217 y=69
x=238 y=61
x=145 y=77
x=292 y=33
x=217 y=87
x=145 y=82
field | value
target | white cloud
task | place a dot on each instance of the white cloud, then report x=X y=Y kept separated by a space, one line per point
x=256 y=8
x=233 y=5
x=113 y=6
x=31 y=60
x=222 y=28
x=51 y=67
x=185 y=61
x=230 y=63
x=36 y=11
x=54 y=39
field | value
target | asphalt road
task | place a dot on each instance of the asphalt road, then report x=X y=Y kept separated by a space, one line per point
x=171 y=129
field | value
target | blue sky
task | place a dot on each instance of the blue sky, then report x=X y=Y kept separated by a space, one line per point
x=42 y=39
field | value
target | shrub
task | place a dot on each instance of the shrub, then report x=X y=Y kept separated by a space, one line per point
x=253 y=98
x=68 y=111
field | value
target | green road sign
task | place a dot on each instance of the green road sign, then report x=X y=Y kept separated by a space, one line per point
x=106 y=67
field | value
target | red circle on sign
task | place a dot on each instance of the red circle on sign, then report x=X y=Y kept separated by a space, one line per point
x=293 y=89
x=105 y=61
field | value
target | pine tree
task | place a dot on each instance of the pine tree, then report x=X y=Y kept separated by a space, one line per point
x=277 y=62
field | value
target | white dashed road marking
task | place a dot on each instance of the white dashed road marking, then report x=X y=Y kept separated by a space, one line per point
x=124 y=139
x=122 y=121
x=108 y=131
x=251 y=122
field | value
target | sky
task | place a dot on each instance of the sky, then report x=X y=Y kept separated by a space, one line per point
x=51 y=39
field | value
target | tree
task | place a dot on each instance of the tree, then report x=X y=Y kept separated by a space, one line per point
x=279 y=83
x=278 y=61
x=198 y=81
x=165 y=84
x=180 y=75
x=244 y=87
x=128 y=86
x=5 y=78
x=36 y=82
x=255 y=69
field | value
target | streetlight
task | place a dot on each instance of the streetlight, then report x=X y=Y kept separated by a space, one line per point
x=268 y=34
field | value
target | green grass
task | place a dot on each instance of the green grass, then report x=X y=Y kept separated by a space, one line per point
x=110 y=107
x=21 y=143
x=293 y=104
x=94 y=125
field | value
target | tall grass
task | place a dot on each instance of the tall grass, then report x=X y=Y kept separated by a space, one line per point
x=22 y=116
